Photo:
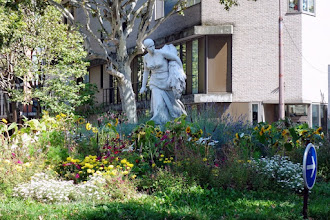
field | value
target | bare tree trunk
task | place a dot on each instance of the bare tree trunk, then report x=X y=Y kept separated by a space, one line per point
x=127 y=97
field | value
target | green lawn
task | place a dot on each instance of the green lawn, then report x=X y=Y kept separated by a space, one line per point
x=191 y=203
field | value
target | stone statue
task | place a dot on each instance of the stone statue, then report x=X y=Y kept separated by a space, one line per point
x=167 y=81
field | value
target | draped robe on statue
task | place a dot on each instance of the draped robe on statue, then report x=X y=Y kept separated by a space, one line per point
x=166 y=87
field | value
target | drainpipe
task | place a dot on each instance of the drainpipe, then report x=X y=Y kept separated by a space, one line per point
x=281 y=80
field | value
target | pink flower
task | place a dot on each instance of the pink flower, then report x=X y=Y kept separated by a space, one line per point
x=13 y=154
x=20 y=162
x=77 y=176
x=164 y=137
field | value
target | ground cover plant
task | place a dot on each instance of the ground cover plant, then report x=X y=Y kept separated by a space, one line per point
x=73 y=168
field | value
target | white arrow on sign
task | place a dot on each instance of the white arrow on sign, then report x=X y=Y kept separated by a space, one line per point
x=312 y=166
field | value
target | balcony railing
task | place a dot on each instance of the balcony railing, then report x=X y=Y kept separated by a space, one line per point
x=111 y=95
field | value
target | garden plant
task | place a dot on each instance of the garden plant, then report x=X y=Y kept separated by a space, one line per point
x=68 y=167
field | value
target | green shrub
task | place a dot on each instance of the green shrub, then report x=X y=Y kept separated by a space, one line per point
x=323 y=158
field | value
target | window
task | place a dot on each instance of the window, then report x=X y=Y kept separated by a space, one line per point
x=182 y=53
x=168 y=6
x=164 y=7
x=195 y=67
x=101 y=77
x=302 y=6
x=315 y=116
x=293 y=5
x=297 y=110
x=255 y=113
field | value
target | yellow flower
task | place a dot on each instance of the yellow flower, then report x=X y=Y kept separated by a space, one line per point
x=162 y=155
x=94 y=130
x=284 y=132
x=89 y=171
x=256 y=128
x=109 y=125
x=88 y=126
x=68 y=159
x=200 y=131
x=249 y=161
x=269 y=127
x=133 y=177
x=81 y=121
x=27 y=164
x=171 y=158
x=236 y=135
x=116 y=122
x=188 y=130
x=204 y=159
x=4 y=121
x=123 y=161
x=318 y=130
x=58 y=117
x=303 y=132
x=130 y=165
x=63 y=115
x=125 y=172
x=111 y=167
x=153 y=165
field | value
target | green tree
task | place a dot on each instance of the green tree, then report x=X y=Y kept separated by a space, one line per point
x=40 y=57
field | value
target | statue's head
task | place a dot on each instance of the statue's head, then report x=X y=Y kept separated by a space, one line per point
x=149 y=45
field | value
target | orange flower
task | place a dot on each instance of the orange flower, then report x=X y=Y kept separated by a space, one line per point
x=188 y=130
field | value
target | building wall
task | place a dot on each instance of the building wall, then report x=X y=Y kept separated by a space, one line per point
x=255 y=48
x=316 y=52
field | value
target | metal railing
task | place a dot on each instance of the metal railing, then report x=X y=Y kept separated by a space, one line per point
x=111 y=95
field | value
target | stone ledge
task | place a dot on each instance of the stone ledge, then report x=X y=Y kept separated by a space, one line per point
x=213 y=30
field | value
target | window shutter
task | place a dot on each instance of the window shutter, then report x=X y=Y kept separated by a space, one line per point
x=159 y=9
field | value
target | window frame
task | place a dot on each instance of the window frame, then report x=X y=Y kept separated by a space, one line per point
x=160 y=7
x=300 y=9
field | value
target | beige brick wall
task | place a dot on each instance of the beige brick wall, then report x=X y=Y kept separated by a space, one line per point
x=255 y=48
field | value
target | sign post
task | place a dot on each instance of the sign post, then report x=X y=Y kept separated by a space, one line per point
x=309 y=173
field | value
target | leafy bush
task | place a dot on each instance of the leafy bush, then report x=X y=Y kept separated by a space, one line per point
x=323 y=158
x=281 y=171
x=277 y=138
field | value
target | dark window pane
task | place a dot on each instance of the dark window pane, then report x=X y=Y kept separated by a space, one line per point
x=168 y=6
x=315 y=115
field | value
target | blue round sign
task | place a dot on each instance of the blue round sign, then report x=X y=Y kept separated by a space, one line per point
x=310 y=166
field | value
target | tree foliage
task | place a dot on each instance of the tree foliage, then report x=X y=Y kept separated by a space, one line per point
x=40 y=57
